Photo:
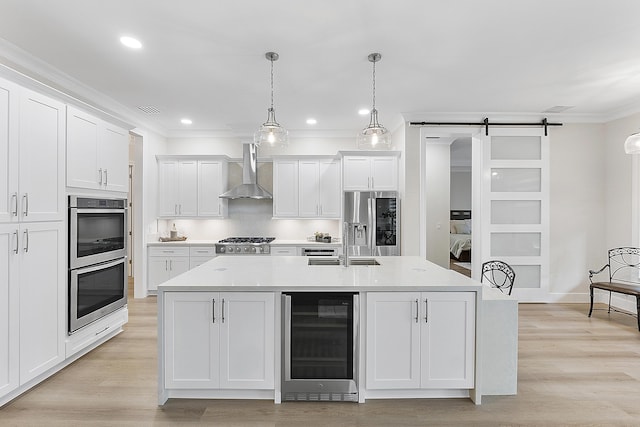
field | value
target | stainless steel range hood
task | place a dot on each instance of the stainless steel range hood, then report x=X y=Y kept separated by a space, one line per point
x=249 y=189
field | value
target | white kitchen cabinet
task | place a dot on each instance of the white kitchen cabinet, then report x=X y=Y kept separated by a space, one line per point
x=42 y=284
x=212 y=181
x=178 y=188
x=219 y=340
x=319 y=188
x=285 y=189
x=31 y=156
x=198 y=255
x=277 y=250
x=97 y=153
x=420 y=340
x=9 y=310
x=165 y=263
x=370 y=173
x=307 y=188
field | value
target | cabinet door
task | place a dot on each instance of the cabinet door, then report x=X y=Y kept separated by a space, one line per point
x=330 y=193
x=82 y=150
x=285 y=188
x=448 y=339
x=384 y=173
x=191 y=339
x=247 y=334
x=178 y=265
x=158 y=272
x=41 y=157
x=393 y=340
x=356 y=173
x=188 y=188
x=210 y=186
x=9 y=356
x=114 y=158
x=42 y=298
x=168 y=188
x=308 y=188
x=9 y=125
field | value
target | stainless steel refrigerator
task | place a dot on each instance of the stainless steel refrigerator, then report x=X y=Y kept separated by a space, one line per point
x=373 y=223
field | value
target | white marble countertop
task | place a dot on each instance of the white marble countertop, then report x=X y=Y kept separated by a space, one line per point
x=290 y=273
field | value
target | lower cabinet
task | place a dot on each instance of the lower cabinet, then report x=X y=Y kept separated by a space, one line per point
x=32 y=304
x=165 y=263
x=219 y=340
x=420 y=340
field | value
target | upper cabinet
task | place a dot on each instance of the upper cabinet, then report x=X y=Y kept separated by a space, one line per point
x=306 y=188
x=370 y=172
x=190 y=187
x=31 y=156
x=97 y=153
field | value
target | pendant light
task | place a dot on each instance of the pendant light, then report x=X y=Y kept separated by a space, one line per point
x=632 y=144
x=271 y=132
x=375 y=136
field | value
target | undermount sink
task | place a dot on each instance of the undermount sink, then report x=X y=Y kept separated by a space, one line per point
x=337 y=261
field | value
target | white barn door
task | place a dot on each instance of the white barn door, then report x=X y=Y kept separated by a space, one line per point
x=514 y=201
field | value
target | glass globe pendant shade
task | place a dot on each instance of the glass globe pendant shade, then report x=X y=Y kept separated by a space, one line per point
x=271 y=133
x=375 y=136
x=632 y=144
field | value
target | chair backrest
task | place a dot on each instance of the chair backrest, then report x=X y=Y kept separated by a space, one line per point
x=499 y=275
x=624 y=264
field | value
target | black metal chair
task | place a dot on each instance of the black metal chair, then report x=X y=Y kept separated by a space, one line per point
x=499 y=275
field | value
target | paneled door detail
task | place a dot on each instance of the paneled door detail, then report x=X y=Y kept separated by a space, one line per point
x=515 y=207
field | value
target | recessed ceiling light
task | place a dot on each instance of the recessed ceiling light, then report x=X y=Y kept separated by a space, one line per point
x=130 y=42
x=311 y=121
x=186 y=121
x=363 y=111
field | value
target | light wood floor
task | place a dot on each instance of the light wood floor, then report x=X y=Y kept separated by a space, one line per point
x=572 y=371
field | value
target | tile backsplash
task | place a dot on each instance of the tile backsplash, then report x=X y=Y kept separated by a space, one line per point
x=248 y=217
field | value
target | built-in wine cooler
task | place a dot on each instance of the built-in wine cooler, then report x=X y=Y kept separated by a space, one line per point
x=319 y=355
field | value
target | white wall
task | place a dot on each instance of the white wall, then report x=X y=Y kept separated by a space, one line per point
x=460 y=195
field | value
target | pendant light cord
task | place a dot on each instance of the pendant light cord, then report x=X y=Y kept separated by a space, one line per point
x=374 y=85
x=271 y=60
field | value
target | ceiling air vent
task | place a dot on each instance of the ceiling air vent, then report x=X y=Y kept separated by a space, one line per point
x=558 y=109
x=149 y=109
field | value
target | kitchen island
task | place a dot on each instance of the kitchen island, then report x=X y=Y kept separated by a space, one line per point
x=421 y=328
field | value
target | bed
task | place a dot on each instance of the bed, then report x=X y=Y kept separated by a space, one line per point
x=460 y=235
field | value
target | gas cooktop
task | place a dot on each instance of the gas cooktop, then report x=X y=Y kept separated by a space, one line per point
x=244 y=245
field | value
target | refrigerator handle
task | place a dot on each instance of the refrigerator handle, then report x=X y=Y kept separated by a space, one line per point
x=372 y=224
x=286 y=334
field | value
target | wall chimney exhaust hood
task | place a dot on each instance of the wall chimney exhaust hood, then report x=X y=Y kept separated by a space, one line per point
x=249 y=189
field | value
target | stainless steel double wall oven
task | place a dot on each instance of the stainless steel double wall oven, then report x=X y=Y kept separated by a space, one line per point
x=97 y=258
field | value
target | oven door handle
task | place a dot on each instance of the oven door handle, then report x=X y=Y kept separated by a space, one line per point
x=101 y=266
x=100 y=211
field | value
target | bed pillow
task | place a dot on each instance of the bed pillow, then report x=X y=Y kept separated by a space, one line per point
x=455 y=223
x=463 y=228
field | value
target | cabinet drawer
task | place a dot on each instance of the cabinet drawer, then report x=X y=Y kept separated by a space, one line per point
x=284 y=250
x=202 y=251
x=168 y=251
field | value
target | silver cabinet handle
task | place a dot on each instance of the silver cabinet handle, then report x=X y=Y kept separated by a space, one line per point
x=100 y=176
x=25 y=204
x=222 y=310
x=16 y=249
x=175 y=209
x=219 y=209
x=171 y=265
x=166 y=265
x=426 y=310
x=14 y=200
x=106 y=177
x=368 y=182
x=417 y=310
x=26 y=240
x=180 y=209
x=102 y=331
x=213 y=315
x=373 y=185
